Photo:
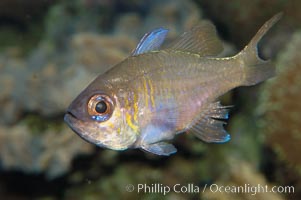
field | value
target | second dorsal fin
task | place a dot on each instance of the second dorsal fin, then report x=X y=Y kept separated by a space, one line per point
x=201 y=39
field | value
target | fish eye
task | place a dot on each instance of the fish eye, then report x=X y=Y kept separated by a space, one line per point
x=100 y=107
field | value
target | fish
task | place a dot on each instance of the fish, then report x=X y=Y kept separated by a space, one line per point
x=161 y=90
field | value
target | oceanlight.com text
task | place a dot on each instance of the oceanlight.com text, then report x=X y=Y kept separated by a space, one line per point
x=249 y=189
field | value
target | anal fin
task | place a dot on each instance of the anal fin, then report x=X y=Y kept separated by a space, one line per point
x=209 y=126
x=160 y=148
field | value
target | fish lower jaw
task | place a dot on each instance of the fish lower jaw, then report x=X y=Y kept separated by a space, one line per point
x=69 y=118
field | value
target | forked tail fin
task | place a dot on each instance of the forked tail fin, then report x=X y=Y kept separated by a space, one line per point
x=255 y=69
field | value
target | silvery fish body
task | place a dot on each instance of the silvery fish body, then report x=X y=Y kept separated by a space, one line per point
x=157 y=92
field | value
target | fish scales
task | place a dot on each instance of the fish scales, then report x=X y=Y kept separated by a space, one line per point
x=185 y=93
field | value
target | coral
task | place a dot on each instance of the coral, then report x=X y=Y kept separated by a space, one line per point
x=241 y=173
x=281 y=119
x=281 y=108
x=281 y=116
x=50 y=152
x=100 y=52
x=113 y=185
x=162 y=14
x=12 y=71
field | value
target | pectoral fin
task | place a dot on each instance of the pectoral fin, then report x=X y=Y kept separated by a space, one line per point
x=209 y=126
x=160 y=148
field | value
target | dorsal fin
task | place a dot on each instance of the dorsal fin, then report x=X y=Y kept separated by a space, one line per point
x=201 y=39
x=151 y=41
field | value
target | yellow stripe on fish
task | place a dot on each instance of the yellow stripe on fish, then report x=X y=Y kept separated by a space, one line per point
x=129 y=118
x=151 y=93
x=135 y=107
x=145 y=91
x=148 y=90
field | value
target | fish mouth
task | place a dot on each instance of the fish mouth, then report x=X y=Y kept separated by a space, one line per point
x=78 y=127
x=74 y=123
x=71 y=114
x=70 y=119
